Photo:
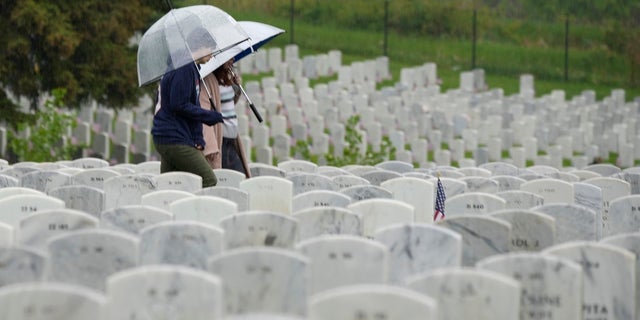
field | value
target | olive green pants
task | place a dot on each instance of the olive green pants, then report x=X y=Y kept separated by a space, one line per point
x=178 y=157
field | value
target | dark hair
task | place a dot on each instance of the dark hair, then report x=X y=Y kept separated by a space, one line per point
x=224 y=74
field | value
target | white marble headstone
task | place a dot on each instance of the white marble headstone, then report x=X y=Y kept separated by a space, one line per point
x=500 y=168
x=45 y=180
x=150 y=167
x=50 y=301
x=551 y=286
x=269 y=280
x=394 y=165
x=206 y=209
x=228 y=177
x=36 y=229
x=473 y=203
x=349 y=180
x=465 y=293
x=303 y=182
x=339 y=260
x=81 y=197
x=604 y=169
x=240 y=197
x=22 y=264
x=8 y=181
x=530 y=230
x=366 y=192
x=552 y=190
x=508 y=183
x=482 y=236
x=89 y=163
x=269 y=193
x=518 y=199
x=624 y=215
x=127 y=189
x=377 y=213
x=164 y=292
x=133 y=218
x=258 y=169
x=88 y=257
x=630 y=242
x=451 y=186
x=370 y=301
x=612 y=188
x=179 y=180
x=318 y=221
x=573 y=222
x=6 y=234
x=94 y=177
x=17 y=190
x=162 y=199
x=319 y=198
x=376 y=177
x=590 y=196
x=186 y=243
x=609 y=286
x=260 y=228
x=414 y=191
x=419 y=247
x=16 y=207
x=481 y=184
x=297 y=165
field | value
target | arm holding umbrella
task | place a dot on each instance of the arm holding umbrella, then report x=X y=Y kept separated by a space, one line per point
x=180 y=100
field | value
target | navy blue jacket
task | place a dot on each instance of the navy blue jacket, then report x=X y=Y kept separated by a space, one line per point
x=180 y=118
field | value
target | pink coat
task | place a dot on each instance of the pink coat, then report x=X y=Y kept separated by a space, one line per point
x=213 y=134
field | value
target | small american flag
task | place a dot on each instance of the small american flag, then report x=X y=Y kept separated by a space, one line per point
x=440 y=198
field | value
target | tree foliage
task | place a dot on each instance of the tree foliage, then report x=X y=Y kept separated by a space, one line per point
x=80 y=45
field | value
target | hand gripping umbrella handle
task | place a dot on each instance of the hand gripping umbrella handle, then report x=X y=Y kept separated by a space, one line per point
x=244 y=93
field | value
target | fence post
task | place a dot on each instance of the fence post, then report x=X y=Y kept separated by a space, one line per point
x=474 y=42
x=291 y=22
x=386 y=27
x=566 y=49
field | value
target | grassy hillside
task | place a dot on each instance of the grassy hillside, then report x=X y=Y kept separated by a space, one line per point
x=591 y=67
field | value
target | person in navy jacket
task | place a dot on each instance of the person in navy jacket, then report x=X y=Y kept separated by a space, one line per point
x=177 y=126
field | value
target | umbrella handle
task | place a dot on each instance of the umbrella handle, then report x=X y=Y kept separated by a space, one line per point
x=244 y=93
x=253 y=108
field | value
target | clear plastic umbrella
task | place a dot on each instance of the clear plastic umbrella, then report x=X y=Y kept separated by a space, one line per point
x=184 y=35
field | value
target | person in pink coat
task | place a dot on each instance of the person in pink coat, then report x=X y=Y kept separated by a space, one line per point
x=223 y=147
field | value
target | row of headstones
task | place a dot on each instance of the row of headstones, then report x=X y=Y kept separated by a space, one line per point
x=605 y=189
x=331 y=277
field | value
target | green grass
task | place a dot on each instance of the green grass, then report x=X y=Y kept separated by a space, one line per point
x=591 y=68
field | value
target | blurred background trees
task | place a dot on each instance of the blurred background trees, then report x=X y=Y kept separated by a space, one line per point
x=80 y=45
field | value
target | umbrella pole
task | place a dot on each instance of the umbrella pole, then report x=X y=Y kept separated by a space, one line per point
x=244 y=93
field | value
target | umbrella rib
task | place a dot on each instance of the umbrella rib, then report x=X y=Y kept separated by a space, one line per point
x=215 y=53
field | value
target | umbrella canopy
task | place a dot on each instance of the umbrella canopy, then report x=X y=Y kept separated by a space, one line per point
x=184 y=35
x=259 y=33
